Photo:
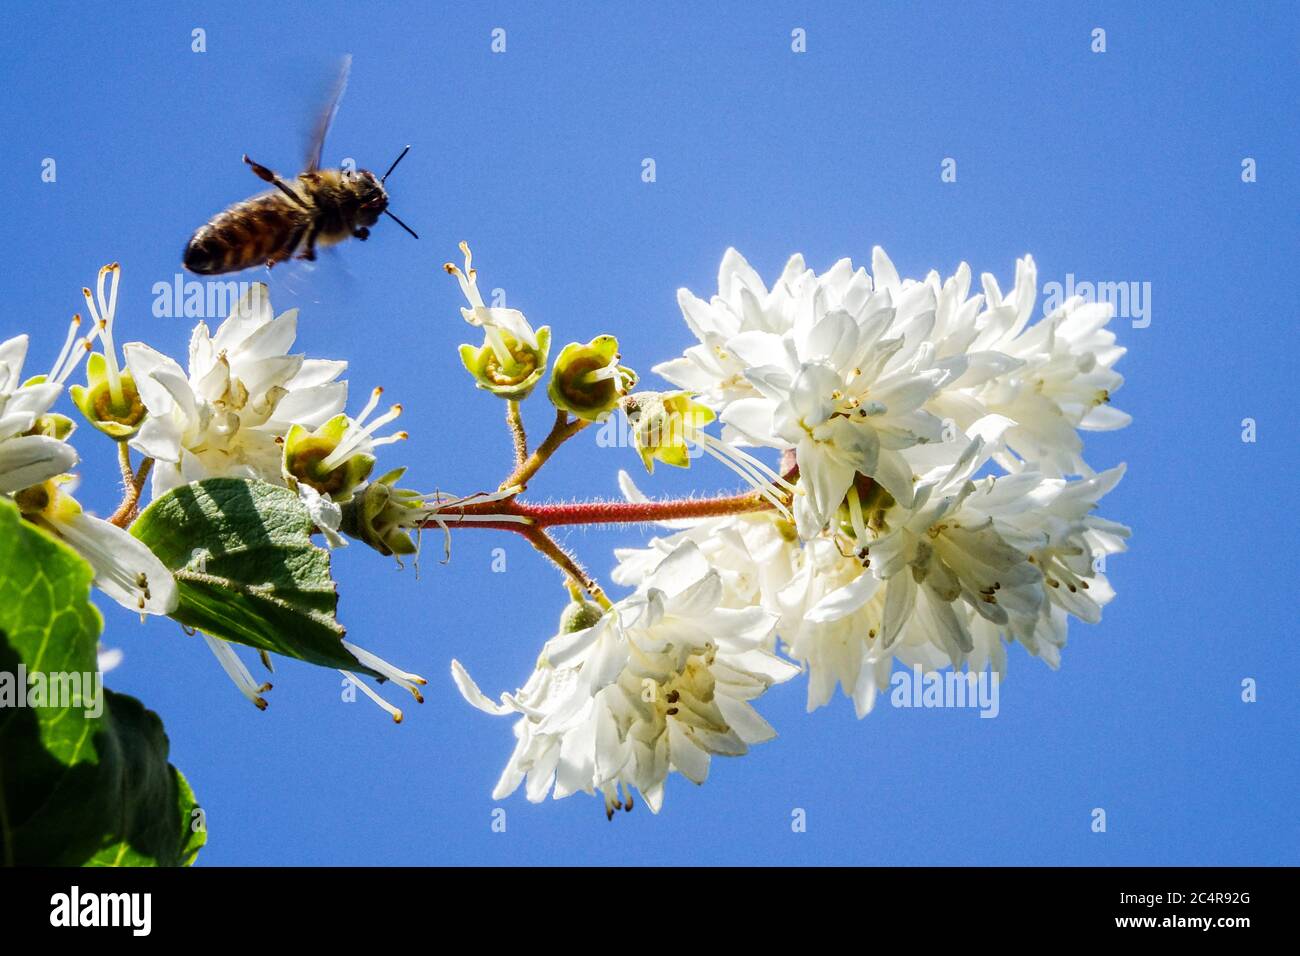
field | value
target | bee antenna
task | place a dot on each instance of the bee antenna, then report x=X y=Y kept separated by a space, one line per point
x=395 y=219
x=394 y=166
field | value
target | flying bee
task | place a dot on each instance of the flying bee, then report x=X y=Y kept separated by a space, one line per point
x=319 y=207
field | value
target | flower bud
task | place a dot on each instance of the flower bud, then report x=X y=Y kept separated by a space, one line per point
x=587 y=380
x=382 y=515
x=579 y=615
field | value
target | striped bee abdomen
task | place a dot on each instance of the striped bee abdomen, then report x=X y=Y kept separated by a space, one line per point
x=259 y=230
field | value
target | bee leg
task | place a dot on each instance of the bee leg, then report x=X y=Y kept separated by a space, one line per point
x=287 y=251
x=309 y=246
x=265 y=174
x=362 y=233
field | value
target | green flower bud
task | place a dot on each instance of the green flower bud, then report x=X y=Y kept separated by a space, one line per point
x=310 y=457
x=579 y=615
x=382 y=515
x=505 y=366
x=587 y=380
x=109 y=400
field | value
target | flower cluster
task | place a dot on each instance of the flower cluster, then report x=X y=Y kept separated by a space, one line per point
x=245 y=407
x=933 y=431
x=35 y=464
x=933 y=506
x=661 y=681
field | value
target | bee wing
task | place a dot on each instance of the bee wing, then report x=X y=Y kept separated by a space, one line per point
x=317 y=142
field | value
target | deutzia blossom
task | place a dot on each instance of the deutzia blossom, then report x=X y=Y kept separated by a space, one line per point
x=27 y=456
x=661 y=682
x=125 y=569
x=227 y=415
x=858 y=375
x=743 y=304
x=513 y=356
x=974 y=563
x=326 y=465
x=845 y=395
x=1064 y=377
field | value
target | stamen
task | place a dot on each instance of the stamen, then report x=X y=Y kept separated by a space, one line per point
x=67 y=347
x=370 y=405
x=237 y=672
x=383 y=704
x=604 y=373
x=401 y=678
x=760 y=474
x=103 y=318
x=356 y=435
x=505 y=358
x=759 y=486
x=762 y=469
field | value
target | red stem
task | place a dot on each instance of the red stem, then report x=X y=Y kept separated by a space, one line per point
x=604 y=512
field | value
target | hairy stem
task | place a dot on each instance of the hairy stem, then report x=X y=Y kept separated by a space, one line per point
x=603 y=512
x=547 y=545
x=132 y=485
x=562 y=431
x=516 y=422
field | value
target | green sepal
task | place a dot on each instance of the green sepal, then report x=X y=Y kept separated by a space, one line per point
x=482 y=363
x=590 y=401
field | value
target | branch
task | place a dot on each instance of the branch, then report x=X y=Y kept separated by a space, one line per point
x=544 y=543
x=562 y=431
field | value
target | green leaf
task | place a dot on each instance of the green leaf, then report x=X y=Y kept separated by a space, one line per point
x=246 y=568
x=79 y=785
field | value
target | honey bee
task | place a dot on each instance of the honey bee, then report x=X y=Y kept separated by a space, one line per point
x=320 y=207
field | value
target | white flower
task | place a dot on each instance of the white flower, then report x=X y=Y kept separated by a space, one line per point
x=29 y=459
x=743 y=304
x=494 y=321
x=973 y=564
x=662 y=682
x=858 y=376
x=125 y=569
x=242 y=393
x=845 y=397
x=1067 y=384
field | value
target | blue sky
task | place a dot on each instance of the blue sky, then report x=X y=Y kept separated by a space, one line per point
x=1118 y=166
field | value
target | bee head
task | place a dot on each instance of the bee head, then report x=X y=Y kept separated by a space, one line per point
x=371 y=198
